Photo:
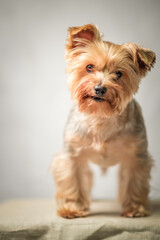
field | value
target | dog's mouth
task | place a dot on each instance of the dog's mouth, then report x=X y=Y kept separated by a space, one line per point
x=97 y=99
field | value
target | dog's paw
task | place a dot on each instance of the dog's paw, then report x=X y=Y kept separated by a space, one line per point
x=139 y=211
x=71 y=213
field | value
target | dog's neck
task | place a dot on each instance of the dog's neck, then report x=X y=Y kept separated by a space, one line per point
x=101 y=128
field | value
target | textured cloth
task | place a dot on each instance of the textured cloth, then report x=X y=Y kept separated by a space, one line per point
x=37 y=219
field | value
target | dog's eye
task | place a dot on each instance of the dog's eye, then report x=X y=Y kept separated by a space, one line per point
x=89 y=68
x=118 y=74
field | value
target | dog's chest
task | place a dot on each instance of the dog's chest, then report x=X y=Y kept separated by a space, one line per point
x=99 y=141
x=99 y=132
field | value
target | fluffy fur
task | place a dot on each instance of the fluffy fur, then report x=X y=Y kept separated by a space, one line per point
x=105 y=130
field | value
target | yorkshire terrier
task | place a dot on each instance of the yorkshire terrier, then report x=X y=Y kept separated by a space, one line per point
x=105 y=125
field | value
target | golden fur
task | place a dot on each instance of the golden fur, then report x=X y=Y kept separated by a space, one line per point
x=108 y=132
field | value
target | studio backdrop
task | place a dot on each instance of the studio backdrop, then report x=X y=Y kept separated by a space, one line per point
x=34 y=97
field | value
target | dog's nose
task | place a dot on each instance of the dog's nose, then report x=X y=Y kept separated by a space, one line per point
x=100 y=91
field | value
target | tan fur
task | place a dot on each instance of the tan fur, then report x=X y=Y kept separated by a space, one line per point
x=108 y=132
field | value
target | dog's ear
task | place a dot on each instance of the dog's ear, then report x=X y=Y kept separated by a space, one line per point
x=81 y=36
x=143 y=58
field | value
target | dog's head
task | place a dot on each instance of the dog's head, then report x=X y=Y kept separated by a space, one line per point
x=103 y=75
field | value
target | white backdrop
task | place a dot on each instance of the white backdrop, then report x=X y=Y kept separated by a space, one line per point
x=34 y=97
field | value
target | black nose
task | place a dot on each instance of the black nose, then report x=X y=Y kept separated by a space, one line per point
x=100 y=91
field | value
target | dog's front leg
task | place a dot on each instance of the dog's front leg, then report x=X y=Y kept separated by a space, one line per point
x=134 y=177
x=73 y=179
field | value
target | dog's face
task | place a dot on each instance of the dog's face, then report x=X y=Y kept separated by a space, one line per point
x=103 y=75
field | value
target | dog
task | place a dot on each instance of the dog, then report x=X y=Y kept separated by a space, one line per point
x=105 y=125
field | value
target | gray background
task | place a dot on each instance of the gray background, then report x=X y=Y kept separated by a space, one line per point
x=34 y=97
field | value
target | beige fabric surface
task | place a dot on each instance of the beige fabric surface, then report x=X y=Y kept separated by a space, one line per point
x=36 y=219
